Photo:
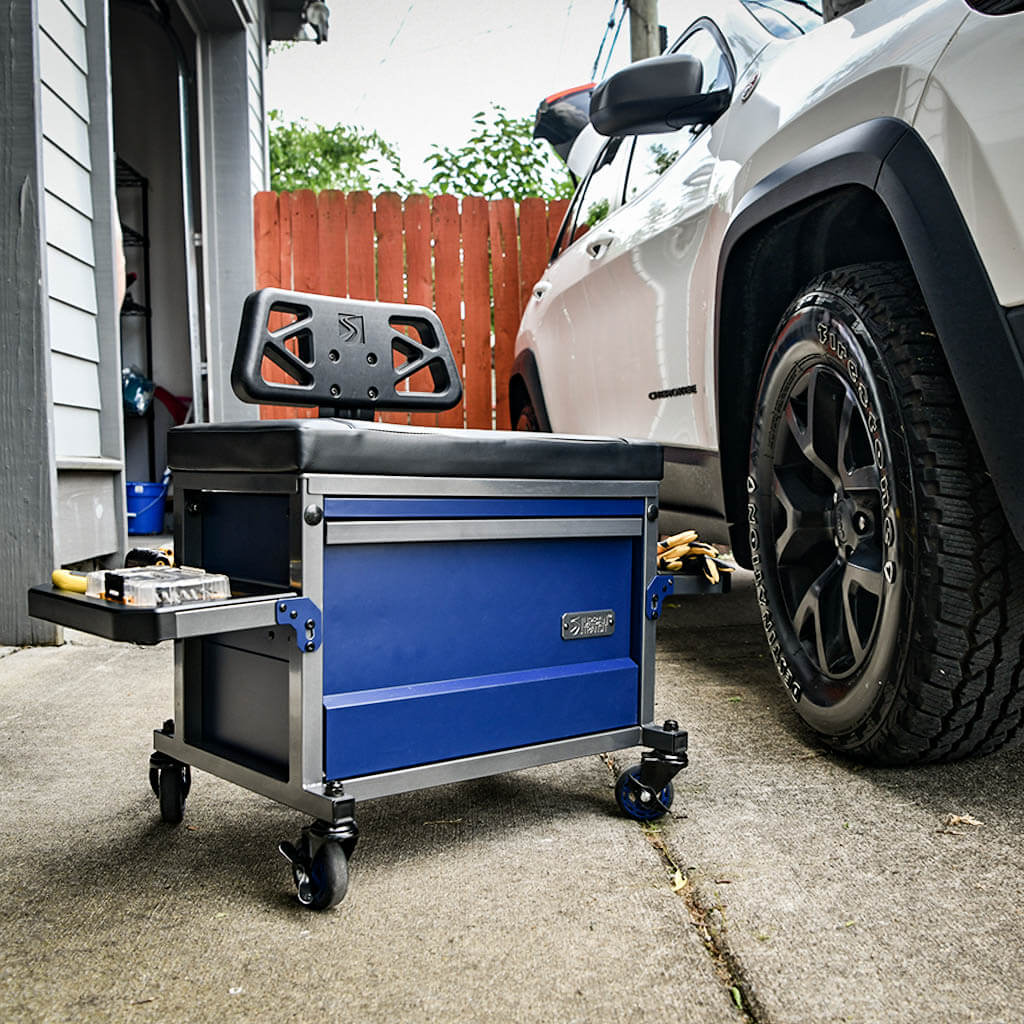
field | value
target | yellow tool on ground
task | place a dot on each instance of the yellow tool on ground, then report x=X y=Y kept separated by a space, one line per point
x=684 y=553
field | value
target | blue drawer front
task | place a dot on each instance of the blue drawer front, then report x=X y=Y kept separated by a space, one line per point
x=402 y=726
x=396 y=614
x=443 y=649
x=478 y=508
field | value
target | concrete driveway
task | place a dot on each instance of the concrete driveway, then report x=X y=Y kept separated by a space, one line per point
x=789 y=885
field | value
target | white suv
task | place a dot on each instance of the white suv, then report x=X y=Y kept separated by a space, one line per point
x=797 y=260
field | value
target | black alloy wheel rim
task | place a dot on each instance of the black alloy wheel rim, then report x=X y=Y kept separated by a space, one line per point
x=831 y=532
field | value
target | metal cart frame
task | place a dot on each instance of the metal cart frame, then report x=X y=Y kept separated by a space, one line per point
x=307 y=790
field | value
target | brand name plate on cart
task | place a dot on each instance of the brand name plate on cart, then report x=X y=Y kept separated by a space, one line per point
x=584 y=625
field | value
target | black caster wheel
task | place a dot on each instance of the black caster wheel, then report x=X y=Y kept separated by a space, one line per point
x=639 y=802
x=173 y=783
x=321 y=881
x=328 y=877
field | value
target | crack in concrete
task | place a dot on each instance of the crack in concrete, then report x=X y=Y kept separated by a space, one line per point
x=707 y=915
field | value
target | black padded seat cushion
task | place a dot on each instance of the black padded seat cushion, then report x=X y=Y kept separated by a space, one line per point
x=363 y=448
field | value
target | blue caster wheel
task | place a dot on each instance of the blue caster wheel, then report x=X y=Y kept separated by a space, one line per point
x=638 y=802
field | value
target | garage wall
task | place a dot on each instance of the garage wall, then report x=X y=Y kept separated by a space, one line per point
x=27 y=474
x=68 y=215
x=78 y=231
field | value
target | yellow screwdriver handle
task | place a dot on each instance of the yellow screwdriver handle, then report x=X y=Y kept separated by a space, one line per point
x=66 y=580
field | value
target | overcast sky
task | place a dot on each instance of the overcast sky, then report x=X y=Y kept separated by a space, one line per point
x=417 y=70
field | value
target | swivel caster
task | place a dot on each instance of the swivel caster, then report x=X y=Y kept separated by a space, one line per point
x=171 y=781
x=319 y=862
x=644 y=791
x=638 y=801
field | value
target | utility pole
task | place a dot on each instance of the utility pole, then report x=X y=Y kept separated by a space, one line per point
x=644 y=40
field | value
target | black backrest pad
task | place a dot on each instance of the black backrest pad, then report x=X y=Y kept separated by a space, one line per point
x=343 y=353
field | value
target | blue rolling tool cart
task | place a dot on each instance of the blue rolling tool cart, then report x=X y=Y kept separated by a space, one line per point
x=410 y=606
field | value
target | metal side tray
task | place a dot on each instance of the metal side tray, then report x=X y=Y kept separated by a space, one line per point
x=152 y=625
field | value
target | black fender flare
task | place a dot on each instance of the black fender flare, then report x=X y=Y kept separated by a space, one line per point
x=525 y=369
x=985 y=357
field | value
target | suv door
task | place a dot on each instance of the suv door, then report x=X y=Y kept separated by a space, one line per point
x=650 y=288
x=560 y=303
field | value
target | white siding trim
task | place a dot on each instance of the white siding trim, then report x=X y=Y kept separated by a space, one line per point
x=89 y=462
x=73 y=331
x=65 y=128
x=63 y=177
x=76 y=431
x=68 y=230
x=76 y=382
x=77 y=8
x=65 y=30
x=61 y=74
x=255 y=175
x=70 y=280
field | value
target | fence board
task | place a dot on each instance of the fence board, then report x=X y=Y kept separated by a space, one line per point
x=284 y=273
x=420 y=280
x=333 y=247
x=533 y=244
x=268 y=260
x=505 y=270
x=304 y=262
x=305 y=242
x=279 y=268
x=448 y=288
x=390 y=266
x=476 y=297
x=388 y=229
x=268 y=240
x=361 y=277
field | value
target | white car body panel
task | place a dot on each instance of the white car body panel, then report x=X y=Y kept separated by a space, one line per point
x=662 y=264
x=972 y=124
x=873 y=63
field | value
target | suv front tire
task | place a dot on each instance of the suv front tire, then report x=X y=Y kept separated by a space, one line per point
x=889 y=582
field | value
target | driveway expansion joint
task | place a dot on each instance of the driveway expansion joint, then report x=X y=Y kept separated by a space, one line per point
x=707 y=916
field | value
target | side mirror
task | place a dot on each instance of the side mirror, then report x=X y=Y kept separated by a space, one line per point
x=656 y=95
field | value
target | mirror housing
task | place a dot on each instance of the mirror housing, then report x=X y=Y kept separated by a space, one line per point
x=656 y=95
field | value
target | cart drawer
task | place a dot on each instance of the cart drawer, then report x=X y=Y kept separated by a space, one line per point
x=402 y=613
x=441 y=649
x=398 y=727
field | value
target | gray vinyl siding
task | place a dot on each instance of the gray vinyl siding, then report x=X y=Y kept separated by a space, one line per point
x=68 y=216
x=258 y=170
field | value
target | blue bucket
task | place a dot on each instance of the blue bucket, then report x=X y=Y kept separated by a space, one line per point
x=146 y=506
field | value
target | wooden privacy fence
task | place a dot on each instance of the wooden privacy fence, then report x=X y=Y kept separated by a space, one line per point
x=472 y=260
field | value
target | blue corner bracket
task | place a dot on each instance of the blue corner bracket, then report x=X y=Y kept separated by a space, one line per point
x=657 y=590
x=304 y=617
